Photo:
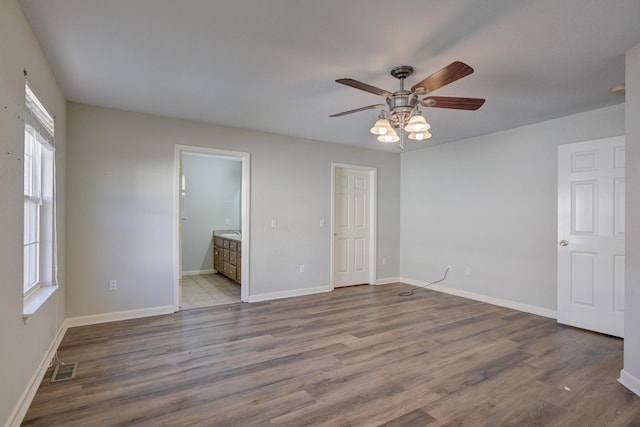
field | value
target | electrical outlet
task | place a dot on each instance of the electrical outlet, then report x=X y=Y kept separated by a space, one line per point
x=467 y=271
x=274 y=223
x=301 y=268
x=322 y=222
x=449 y=268
x=384 y=261
x=113 y=285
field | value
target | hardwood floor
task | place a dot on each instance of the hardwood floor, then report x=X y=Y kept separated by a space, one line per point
x=205 y=290
x=359 y=356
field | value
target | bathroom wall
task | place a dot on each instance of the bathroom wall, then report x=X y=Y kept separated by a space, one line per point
x=212 y=202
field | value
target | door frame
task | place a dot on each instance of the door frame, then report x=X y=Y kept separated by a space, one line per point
x=373 y=219
x=245 y=214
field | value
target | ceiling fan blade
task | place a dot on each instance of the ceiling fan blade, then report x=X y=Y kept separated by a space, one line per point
x=368 y=107
x=449 y=74
x=367 y=88
x=452 y=102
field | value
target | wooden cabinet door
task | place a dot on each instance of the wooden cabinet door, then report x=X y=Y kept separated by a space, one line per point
x=226 y=258
x=217 y=258
x=239 y=263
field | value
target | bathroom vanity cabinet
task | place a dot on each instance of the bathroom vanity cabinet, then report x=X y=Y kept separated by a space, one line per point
x=227 y=256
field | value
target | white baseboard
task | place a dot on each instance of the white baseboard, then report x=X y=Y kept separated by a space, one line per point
x=119 y=315
x=387 y=280
x=196 y=272
x=540 y=311
x=27 y=397
x=289 y=294
x=629 y=381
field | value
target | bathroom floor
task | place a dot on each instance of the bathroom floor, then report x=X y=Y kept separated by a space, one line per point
x=204 y=290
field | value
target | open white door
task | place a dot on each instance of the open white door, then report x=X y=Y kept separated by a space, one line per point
x=353 y=237
x=591 y=226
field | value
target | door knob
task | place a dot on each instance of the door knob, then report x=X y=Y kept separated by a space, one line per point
x=564 y=242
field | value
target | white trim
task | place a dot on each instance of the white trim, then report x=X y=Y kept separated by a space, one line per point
x=289 y=294
x=36 y=299
x=373 y=219
x=118 y=315
x=197 y=272
x=540 y=311
x=245 y=212
x=387 y=280
x=629 y=381
x=19 y=412
x=177 y=204
x=373 y=226
x=332 y=219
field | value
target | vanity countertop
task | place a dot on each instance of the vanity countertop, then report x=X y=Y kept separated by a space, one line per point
x=228 y=234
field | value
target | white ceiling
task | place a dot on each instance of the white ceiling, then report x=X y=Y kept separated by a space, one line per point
x=270 y=65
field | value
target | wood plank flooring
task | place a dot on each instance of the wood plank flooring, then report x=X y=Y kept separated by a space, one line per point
x=205 y=290
x=359 y=356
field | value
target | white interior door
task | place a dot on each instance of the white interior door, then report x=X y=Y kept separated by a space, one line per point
x=351 y=227
x=591 y=227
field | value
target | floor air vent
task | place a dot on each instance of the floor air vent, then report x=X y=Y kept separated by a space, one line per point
x=64 y=372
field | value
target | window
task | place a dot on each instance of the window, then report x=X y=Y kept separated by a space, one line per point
x=39 y=201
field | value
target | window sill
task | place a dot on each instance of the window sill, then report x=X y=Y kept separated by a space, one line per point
x=34 y=301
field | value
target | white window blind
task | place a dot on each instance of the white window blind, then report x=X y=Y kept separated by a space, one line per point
x=39 y=116
x=39 y=197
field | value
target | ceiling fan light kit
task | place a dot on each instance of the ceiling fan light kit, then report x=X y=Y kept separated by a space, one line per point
x=420 y=136
x=381 y=127
x=403 y=113
x=417 y=123
x=392 y=137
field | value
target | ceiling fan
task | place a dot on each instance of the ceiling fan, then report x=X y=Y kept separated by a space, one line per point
x=403 y=104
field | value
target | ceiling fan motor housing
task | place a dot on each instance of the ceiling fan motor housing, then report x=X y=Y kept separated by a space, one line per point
x=402 y=103
x=401 y=106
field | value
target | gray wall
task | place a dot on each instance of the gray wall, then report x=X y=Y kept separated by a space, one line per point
x=632 y=264
x=24 y=345
x=212 y=203
x=490 y=203
x=121 y=180
x=119 y=167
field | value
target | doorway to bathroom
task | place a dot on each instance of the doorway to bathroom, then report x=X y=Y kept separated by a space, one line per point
x=212 y=201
